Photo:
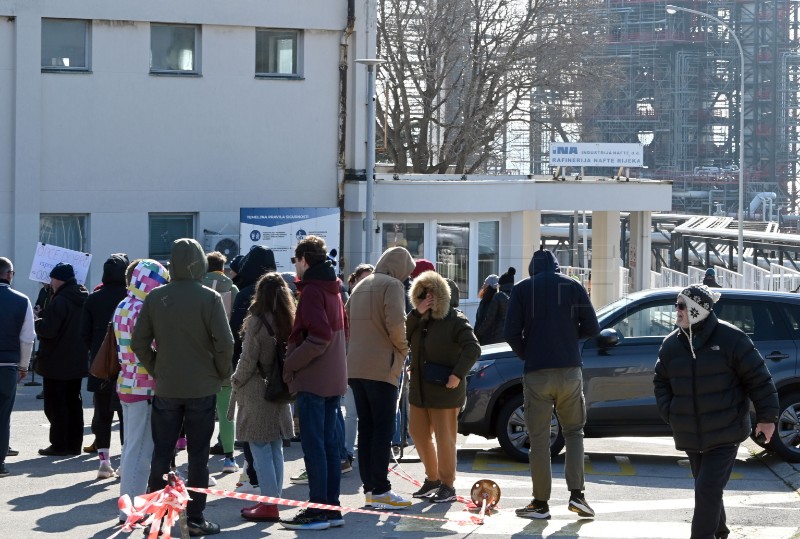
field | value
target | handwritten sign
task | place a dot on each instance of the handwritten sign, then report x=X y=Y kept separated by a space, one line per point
x=47 y=256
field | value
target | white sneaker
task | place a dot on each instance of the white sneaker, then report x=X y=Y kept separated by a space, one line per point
x=212 y=482
x=247 y=488
x=105 y=471
x=389 y=500
x=368 y=499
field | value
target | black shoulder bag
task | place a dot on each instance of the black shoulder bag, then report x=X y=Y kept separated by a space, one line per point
x=276 y=389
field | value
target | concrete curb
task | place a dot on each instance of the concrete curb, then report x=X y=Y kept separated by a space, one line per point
x=788 y=472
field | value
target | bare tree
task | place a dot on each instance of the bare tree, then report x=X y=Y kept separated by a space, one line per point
x=459 y=71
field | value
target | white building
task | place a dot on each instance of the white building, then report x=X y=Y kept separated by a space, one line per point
x=128 y=124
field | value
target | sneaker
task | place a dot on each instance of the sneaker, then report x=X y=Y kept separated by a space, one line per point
x=3 y=470
x=335 y=518
x=368 y=499
x=577 y=504
x=90 y=448
x=202 y=527
x=212 y=482
x=347 y=466
x=299 y=479
x=445 y=494
x=390 y=500
x=12 y=452
x=105 y=471
x=247 y=488
x=229 y=466
x=535 y=509
x=307 y=519
x=428 y=488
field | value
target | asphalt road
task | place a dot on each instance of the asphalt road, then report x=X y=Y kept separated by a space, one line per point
x=639 y=487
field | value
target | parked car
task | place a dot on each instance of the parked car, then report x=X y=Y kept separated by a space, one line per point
x=618 y=371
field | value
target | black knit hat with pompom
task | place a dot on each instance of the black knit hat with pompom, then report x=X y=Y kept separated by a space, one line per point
x=507 y=277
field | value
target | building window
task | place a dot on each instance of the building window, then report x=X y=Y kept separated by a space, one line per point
x=65 y=45
x=165 y=228
x=277 y=52
x=452 y=254
x=408 y=235
x=64 y=230
x=174 y=49
x=488 y=249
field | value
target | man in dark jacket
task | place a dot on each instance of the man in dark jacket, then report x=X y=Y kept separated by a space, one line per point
x=547 y=315
x=188 y=323
x=16 y=345
x=97 y=313
x=316 y=369
x=62 y=362
x=706 y=371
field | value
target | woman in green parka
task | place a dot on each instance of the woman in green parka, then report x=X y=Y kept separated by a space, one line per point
x=443 y=350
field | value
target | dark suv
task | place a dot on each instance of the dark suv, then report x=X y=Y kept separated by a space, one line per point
x=618 y=371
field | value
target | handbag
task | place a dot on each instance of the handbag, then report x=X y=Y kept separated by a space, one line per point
x=276 y=389
x=433 y=373
x=105 y=364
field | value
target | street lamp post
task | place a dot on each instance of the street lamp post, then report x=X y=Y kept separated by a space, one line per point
x=369 y=220
x=672 y=10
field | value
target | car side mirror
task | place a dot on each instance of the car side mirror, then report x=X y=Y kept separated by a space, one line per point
x=608 y=337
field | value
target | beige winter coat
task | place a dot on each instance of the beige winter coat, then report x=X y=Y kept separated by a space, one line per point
x=257 y=419
x=377 y=312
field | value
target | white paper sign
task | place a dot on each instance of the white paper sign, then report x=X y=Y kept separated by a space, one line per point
x=47 y=256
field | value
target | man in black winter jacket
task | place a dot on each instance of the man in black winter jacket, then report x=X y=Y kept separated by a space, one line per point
x=62 y=362
x=706 y=371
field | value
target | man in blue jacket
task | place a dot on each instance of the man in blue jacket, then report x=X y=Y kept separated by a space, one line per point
x=548 y=314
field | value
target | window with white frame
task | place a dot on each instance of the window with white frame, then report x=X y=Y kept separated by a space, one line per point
x=452 y=254
x=65 y=45
x=277 y=52
x=488 y=249
x=165 y=228
x=174 y=49
x=408 y=235
x=69 y=231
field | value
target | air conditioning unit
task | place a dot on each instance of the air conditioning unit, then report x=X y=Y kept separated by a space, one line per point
x=227 y=244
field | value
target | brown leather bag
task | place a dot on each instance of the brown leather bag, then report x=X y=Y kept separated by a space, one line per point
x=105 y=364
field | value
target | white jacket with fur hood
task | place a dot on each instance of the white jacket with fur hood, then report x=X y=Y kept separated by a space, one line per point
x=377 y=312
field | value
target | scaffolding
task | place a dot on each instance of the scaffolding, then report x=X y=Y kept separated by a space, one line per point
x=679 y=95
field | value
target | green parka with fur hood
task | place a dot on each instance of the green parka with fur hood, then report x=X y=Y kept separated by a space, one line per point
x=440 y=335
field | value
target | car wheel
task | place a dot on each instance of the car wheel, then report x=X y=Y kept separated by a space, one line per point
x=786 y=440
x=513 y=434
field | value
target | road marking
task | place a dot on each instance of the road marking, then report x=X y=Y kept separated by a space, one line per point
x=625 y=467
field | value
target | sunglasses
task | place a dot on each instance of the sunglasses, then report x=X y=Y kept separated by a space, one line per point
x=680 y=306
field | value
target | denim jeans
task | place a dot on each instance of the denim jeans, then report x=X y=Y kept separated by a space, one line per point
x=711 y=471
x=134 y=466
x=321 y=446
x=197 y=417
x=350 y=422
x=543 y=390
x=268 y=460
x=376 y=403
x=8 y=393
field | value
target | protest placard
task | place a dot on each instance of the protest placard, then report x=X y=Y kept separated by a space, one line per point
x=47 y=256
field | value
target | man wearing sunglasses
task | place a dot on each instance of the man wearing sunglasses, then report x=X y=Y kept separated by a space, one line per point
x=705 y=373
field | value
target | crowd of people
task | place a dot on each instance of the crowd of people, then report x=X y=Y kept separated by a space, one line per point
x=196 y=345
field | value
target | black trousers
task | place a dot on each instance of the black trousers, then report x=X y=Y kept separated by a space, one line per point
x=711 y=471
x=197 y=417
x=63 y=406
x=104 y=416
x=376 y=406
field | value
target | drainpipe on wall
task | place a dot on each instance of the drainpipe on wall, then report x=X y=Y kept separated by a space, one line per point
x=343 y=69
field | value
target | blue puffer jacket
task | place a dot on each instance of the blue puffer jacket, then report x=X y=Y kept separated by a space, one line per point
x=547 y=314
